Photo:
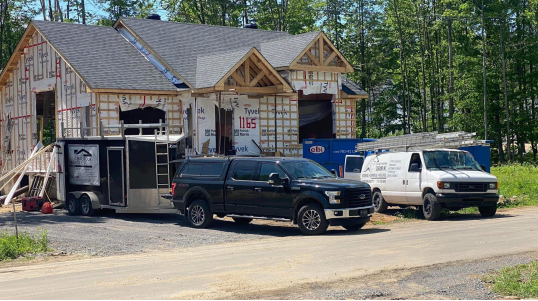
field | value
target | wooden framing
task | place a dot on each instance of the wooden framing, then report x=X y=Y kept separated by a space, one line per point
x=252 y=74
x=287 y=124
x=321 y=55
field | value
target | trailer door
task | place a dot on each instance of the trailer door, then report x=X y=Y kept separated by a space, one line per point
x=116 y=187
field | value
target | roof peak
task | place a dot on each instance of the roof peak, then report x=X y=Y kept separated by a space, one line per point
x=205 y=25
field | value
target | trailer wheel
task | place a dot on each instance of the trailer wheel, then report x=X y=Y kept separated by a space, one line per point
x=199 y=215
x=431 y=207
x=380 y=205
x=72 y=205
x=86 y=205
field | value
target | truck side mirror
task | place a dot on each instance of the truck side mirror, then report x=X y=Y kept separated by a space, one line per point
x=274 y=179
x=414 y=167
x=483 y=167
x=333 y=171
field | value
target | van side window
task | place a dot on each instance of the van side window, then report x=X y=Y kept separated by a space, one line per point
x=415 y=158
x=244 y=171
x=354 y=164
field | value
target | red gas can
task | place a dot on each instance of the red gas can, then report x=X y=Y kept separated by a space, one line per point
x=47 y=208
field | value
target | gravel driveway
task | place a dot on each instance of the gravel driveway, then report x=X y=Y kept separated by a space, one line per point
x=113 y=234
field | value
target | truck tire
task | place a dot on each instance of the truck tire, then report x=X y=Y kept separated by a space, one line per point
x=431 y=207
x=380 y=205
x=199 y=215
x=86 y=205
x=488 y=211
x=242 y=220
x=311 y=220
x=355 y=227
x=72 y=205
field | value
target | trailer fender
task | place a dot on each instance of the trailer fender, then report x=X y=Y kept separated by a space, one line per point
x=96 y=203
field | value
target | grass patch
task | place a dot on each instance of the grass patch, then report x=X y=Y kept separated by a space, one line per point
x=518 y=184
x=520 y=280
x=11 y=248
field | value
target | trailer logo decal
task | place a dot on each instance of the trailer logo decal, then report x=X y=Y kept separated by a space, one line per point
x=85 y=152
x=317 y=149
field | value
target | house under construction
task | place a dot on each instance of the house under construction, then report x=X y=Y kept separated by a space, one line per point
x=230 y=90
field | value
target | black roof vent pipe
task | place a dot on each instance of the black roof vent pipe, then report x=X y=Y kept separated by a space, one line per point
x=154 y=17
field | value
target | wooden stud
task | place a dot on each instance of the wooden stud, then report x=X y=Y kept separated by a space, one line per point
x=238 y=79
x=312 y=58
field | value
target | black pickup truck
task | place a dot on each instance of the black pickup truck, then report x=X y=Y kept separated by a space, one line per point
x=288 y=189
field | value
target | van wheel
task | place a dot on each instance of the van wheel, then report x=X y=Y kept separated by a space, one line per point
x=199 y=215
x=311 y=220
x=86 y=206
x=72 y=206
x=242 y=220
x=431 y=207
x=488 y=211
x=380 y=205
x=355 y=227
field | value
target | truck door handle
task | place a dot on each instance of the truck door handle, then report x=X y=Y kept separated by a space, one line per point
x=258 y=189
x=230 y=188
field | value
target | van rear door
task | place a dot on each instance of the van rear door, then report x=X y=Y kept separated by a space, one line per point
x=352 y=167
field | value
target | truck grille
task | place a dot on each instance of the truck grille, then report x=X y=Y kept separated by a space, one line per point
x=354 y=200
x=471 y=187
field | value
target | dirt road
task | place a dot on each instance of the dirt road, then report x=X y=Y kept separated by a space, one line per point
x=253 y=268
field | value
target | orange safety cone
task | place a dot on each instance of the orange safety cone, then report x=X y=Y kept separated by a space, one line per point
x=47 y=208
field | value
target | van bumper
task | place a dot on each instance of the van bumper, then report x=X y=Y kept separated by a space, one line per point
x=349 y=213
x=458 y=200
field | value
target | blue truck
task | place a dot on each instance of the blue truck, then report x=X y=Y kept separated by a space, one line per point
x=331 y=153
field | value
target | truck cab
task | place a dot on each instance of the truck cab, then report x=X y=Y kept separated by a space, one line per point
x=430 y=179
x=285 y=189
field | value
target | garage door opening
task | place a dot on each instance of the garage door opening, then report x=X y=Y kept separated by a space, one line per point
x=144 y=116
x=315 y=119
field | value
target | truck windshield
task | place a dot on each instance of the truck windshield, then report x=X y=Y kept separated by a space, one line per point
x=450 y=160
x=307 y=170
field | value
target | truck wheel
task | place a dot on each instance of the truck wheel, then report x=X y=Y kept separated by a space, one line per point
x=199 y=214
x=354 y=227
x=242 y=220
x=431 y=207
x=311 y=220
x=72 y=206
x=380 y=205
x=488 y=211
x=86 y=205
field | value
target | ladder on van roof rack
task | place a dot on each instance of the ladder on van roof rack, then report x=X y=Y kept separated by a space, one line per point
x=422 y=141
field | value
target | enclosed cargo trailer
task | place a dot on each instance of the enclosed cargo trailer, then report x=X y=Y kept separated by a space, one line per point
x=127 y=173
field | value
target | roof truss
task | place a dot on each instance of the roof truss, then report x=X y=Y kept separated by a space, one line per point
x=253 y=74
x=321 y=55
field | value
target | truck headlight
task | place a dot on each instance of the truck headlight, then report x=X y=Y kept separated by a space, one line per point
x=334 y=197
x=493 y=185
x=444 y=185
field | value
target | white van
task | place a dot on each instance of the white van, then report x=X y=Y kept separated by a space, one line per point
x=431 y=179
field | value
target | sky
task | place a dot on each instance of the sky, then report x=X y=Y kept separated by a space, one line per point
x=97 y=9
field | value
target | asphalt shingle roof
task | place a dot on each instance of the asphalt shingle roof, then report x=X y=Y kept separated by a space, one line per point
x=352 y=88
x=281 y=52
x=201 y=53
x=103 y=58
